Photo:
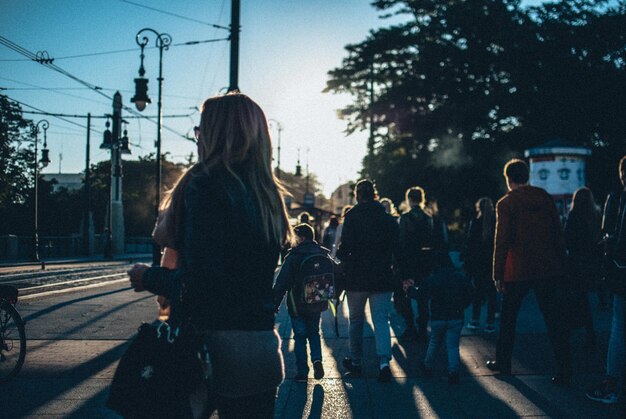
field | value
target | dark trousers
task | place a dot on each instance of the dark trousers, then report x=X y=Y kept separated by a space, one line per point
x=484 y=288
x=547 y=295
x=405 y=309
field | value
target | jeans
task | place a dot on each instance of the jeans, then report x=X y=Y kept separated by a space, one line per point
x=306 y=327
x=546 y=291
x=615 y=355
x=451 y=331
x=380 y=305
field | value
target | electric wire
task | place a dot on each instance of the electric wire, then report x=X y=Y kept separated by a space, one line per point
x=93 y=54
x=48 y=63
x=154 y=9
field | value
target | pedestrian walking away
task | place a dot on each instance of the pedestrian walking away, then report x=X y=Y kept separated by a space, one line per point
x=477 y=256
x=418 y=242
x=582 y=235
x=449 y=293
x=230 y=221
x=614 y=226
x=368 y=245
x=529 y=254
x=308 y=293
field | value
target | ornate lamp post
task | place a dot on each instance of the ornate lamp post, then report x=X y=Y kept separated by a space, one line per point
x=279 y=127
x=141 y=99
x=45 y=160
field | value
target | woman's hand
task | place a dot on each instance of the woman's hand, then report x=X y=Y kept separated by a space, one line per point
x=136 y=276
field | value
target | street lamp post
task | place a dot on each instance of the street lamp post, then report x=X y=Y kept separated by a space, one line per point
x=279 y=127
x=141 y=99
x=45 y=160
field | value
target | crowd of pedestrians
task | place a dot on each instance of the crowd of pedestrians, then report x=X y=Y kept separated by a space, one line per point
x=229 y=207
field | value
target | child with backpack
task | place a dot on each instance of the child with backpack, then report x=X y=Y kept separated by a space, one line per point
x=449 y=292
x=307 y=276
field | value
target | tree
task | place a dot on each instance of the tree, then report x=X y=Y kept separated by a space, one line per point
x=138 y=192
x=16 y=154
x=461 y=86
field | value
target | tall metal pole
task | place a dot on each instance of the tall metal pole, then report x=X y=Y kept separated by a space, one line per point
x=86 y=238
x=44 y=124
x=36 y=237
x=163 y=41
x=234 y=46
x=156 y=249
x=279 y=127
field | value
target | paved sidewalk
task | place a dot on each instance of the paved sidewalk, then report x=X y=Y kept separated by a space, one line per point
x=76 y=340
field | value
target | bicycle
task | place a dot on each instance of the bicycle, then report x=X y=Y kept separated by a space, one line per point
x=12 y=335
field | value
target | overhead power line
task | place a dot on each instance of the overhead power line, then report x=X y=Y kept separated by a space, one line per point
x=154 y=9
x=62 y=118
x=42 y=58
x=120 y=51
x=103 y=116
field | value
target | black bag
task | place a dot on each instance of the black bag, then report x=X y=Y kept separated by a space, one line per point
x=156 y=374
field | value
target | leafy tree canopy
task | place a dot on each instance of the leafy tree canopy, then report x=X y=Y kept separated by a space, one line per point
x=461 y=86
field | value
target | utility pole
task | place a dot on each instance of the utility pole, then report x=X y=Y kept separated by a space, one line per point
x=116 y=211
x=234 y=46
x=88 y=221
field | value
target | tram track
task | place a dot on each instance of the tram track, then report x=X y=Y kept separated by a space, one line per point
x=35 y=284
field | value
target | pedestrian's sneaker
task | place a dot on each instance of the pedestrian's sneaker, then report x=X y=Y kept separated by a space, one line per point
x=384 y=374
x=490 y=328
x=353 y=369
x=473 y=325
x=604 y=393
x=318 y=370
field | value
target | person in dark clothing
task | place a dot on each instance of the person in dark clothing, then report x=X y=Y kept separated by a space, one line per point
x=582 y=234
x=614 y=227
x=449 y=292
x=368 y=244
x=228 y=220
x=477 y=257
x=330 y=233
x=417 y=241
x=305 y=318
x=529 y=253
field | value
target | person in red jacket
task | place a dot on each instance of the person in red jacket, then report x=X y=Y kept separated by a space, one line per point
x=529 y=253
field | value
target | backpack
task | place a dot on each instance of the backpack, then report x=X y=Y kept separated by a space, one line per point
x=316 y=278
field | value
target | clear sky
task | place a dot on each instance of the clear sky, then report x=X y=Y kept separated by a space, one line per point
x=287 y=48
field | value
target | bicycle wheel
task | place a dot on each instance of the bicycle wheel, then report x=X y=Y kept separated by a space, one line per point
x=12 y=342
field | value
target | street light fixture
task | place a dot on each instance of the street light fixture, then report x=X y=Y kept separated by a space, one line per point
x=279 y=127
x=45 y=160
x=141 y=99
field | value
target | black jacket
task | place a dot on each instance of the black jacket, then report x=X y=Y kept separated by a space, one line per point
x=614 y=225
x=420 y=236
x=287 y=279
x=449 y=291
x=369 y=241
x=226 y=264
x=478 y=251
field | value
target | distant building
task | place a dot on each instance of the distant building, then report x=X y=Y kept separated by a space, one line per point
x=69 y=181
x=342 y=196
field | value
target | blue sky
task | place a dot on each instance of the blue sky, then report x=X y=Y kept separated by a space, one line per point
x=287 y=47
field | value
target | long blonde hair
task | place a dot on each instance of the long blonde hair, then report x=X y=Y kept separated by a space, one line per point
x=234 y=135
